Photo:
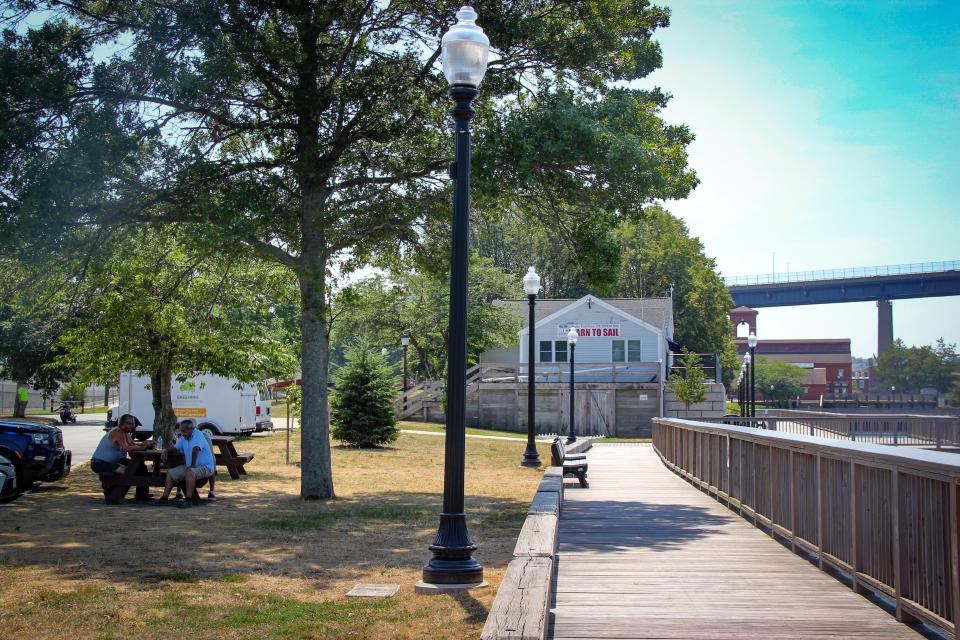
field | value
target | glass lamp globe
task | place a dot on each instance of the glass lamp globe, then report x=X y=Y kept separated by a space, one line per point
x=405 y=339
x=572 y=336
x=464 y=50
x=752 y=340
x=746 y=358
x=531 y=282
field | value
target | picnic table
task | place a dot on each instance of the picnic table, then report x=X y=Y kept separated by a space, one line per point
x=140 y=473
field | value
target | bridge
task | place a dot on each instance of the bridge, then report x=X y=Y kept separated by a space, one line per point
x=880 y=284
x=724 y=531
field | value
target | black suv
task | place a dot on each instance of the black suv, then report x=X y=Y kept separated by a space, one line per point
x=29 y=453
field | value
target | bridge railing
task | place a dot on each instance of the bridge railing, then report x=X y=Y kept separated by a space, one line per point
x=886 y=517
x=837 y=274
x=878 y=428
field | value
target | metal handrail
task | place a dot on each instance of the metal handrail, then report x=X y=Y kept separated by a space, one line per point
x=838 y=274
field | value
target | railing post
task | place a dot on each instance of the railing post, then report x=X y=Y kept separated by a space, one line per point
x=953 y=511
x=851 y=432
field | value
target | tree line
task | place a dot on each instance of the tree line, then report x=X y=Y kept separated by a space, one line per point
x=191 y=185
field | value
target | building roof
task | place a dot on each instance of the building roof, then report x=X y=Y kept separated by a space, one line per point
x=655 y=311
x=742 y=309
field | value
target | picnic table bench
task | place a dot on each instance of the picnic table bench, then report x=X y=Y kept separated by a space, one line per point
x=574 y=464
x=138 y=474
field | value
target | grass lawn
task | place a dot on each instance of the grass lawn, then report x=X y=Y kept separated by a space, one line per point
x=261 y=563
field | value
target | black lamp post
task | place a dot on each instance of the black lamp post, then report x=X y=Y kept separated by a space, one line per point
x=740 y=392
x=405 y=341
x=752 y=343
x=464 y=50
x=531 y=285
x=746 y=392
x=572 y=344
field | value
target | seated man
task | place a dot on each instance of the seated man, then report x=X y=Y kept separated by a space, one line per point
x=109 y=457
x=199 y=462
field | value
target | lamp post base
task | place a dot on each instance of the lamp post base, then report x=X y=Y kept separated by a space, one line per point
x=571 y=439
x=453 y=562
x=430 y=589
x=531 y=458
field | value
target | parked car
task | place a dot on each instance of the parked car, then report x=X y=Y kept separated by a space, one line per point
x=29 y=453
x=224 y=406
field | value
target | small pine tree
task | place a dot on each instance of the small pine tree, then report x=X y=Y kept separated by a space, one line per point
x=361 y=403
x=691 y=387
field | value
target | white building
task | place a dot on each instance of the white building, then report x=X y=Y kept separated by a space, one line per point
x=611 y=330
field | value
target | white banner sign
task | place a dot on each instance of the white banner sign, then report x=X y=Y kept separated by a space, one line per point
x=590 y=330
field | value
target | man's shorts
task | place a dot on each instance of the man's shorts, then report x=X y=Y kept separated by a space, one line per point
x=179 y=473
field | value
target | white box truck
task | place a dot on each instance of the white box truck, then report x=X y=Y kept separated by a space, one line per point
x=223 y=405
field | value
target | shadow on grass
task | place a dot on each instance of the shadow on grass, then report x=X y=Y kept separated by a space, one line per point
x=277 y=535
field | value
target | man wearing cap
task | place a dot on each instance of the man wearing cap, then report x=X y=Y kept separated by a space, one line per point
x=199 y=462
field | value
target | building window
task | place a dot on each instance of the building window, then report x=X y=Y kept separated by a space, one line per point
x=560 y=351
x=546 y=351
x=839 y=373
x=626 y=350
x=619 y=355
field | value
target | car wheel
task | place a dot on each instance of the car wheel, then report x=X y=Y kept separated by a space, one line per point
x=9 y=490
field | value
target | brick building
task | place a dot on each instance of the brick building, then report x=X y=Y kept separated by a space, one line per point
x=828 y=362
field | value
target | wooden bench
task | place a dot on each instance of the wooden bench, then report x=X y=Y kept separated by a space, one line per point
x=138 y=474
x=574 y=464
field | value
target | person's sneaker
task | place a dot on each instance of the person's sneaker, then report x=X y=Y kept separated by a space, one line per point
x=184 y=505
x=211 y=496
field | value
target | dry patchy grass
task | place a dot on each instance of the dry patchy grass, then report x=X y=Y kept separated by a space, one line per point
x=260 y=563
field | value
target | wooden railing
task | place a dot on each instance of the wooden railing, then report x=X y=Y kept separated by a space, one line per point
x=891 y=429
x=888 y=518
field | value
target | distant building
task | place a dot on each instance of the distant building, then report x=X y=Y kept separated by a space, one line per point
x=828 y=361
x=611 y=330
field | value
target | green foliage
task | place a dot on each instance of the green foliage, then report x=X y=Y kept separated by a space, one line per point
x=779 y=381
x=953 y=395
x=911 y=369
x=362 y=401
x=73 y=390
x=380 y=309
x=690 y=385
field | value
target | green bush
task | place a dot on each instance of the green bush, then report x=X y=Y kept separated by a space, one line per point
x=73 y=390
x=690 y=386
x=361 y=405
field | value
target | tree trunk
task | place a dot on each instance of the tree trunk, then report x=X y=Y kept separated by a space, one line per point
x=106 y=396
x=316 y=475
x=19 y=406
x=164 y=420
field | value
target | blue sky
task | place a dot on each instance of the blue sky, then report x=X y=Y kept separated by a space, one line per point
x=828 y=134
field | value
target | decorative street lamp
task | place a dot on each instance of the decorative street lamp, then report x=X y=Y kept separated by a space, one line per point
x=572 y=343
x=531 y=285
x=405 y=341
x=746 y=364
x=464 y=50
x=384 y=352
x=752 y=343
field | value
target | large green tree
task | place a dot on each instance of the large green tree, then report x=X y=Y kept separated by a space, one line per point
x=912 y=368
x=316 y=133
x=779 y=381
x=162 y=305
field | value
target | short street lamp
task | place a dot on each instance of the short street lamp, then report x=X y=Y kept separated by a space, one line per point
x=384 y=352
x=464 y=50
x=572 y=344
x=531 y=285
x=405 y=341
x=752 y=343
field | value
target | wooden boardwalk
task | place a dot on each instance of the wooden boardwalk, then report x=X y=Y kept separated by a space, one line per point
x=643 y=554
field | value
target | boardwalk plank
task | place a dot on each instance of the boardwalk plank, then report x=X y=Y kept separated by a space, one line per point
x=644 y=555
